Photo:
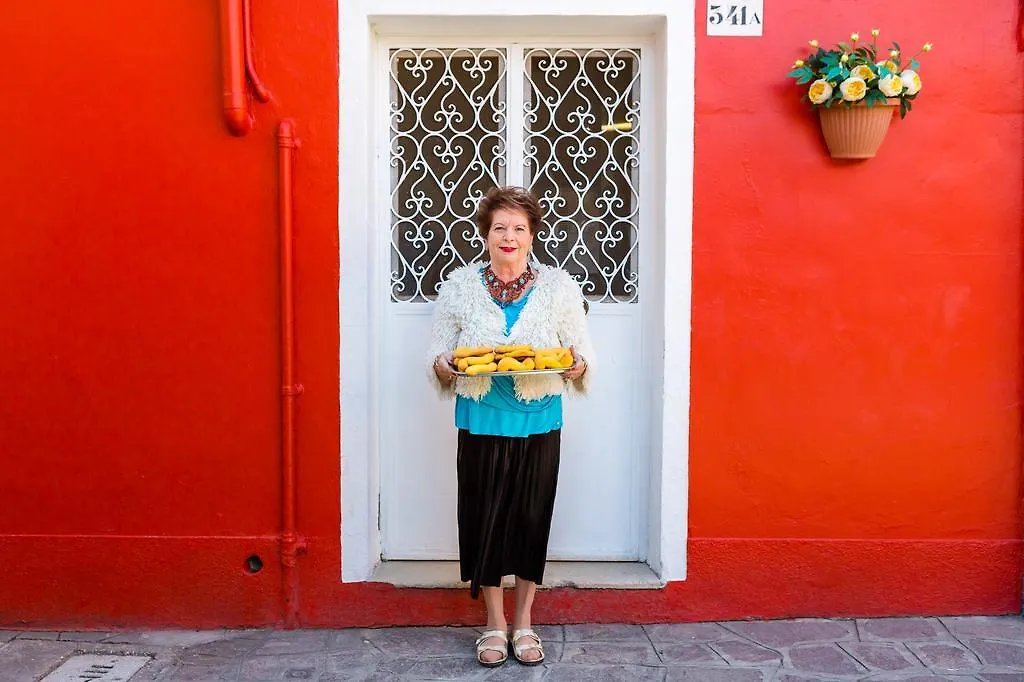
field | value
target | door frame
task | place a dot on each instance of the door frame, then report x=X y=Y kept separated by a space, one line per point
x=638 y=387
x=666 y=333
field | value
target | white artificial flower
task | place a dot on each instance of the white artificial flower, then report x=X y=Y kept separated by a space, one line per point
x=891 y=85
x=853 y=89
x=862 y=71
x=820 y=91
x=911 y=81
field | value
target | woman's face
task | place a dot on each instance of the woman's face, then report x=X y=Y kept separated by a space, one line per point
x=509 y=239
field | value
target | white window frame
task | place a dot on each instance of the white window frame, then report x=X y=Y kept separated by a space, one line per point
x=363 y=25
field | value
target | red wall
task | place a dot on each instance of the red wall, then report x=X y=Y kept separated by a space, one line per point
x=855 y=426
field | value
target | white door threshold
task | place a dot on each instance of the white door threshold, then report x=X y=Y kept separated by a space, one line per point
x=608 y=575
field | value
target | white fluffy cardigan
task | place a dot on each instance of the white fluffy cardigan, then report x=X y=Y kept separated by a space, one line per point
x=553 y=316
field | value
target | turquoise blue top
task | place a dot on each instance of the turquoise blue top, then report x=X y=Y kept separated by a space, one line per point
x=500 y=412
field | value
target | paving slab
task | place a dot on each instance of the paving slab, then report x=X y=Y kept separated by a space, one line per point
x=826 y=659
x=295 y=642
x=605 y=632
x=613 y=673
x=1010 y=628
x=1001 y=676
x=690 y=654
x=782 y=633
x=883 y=656
x=81 y=636
x=607 y=653
x=945 y=657
x=675 y=633
x=171 y=638
x=742 y=652
x=282 y=667
x=992 y=652
x=422 y=641
x=900 y=629
x=26 y=659
x=689 y=674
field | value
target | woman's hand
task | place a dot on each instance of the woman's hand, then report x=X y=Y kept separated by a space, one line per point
x=579 y=366
x=444 y=368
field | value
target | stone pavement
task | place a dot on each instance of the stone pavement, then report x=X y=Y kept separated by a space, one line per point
x=802 y=650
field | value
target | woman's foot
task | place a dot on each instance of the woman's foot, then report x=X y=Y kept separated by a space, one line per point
x=492 y=647
x=527 y=647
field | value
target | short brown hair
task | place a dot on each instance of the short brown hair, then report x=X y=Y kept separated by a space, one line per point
x=510 y=199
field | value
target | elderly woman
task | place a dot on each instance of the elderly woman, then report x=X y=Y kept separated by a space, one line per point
x=509 y=427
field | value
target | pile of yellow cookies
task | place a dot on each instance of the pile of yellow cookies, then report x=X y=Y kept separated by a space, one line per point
x=521 y=358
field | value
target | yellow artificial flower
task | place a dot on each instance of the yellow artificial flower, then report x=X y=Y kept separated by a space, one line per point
x=798 y=64
x=891 y=85
x=853 y=89
x=854 y=37
x=862 y=71
x=875 y=32
x=888 y=63
x=820 y=91
x=911 y=82
x=894 y=53
x=927 y=47
x=812 y=43
x=845 y=58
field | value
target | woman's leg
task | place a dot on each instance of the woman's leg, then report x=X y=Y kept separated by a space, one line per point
x=525 y=591
x=494 y=600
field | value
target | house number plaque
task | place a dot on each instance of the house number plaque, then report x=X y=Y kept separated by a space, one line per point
x=735 y=17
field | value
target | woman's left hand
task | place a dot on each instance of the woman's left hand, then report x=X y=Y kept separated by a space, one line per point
x=579 y=366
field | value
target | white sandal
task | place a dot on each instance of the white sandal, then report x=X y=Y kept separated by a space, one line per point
x=518 y=649
x=500 y=648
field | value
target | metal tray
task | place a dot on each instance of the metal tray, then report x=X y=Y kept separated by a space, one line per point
x=512 y=373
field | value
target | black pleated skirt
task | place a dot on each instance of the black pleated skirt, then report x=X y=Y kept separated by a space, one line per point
x=506 y=497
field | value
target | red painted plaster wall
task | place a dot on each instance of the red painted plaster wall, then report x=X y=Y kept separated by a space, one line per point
x=139 y=335
x=855 y=426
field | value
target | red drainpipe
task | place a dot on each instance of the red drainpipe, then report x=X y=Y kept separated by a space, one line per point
x=237 y=65
x=291 y=544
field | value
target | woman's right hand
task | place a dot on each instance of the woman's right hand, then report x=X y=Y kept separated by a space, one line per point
x=444 y=368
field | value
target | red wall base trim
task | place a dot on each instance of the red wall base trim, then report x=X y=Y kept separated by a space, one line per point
x=101 y=582
x=735 y=579
x=112 y=582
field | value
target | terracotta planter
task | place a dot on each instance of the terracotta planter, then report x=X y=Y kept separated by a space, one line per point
x=856 y=132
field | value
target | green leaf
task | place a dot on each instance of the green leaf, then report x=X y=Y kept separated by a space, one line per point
x=883 y=72
x=914 y=65
x=898 y=46
x=845 y=47
x=833 y=72
x=828 y=104
x=903 y=108
x=910 y=106
x=795 y=73
x=806 y=78
x=869 y=102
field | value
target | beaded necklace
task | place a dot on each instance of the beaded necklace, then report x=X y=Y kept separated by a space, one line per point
x=505 y=293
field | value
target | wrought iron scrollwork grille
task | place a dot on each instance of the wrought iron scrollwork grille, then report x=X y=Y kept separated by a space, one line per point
x=448 y=132
x=582 y=118
x=449 y=142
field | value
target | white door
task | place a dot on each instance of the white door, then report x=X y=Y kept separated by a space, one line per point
x=566 y=122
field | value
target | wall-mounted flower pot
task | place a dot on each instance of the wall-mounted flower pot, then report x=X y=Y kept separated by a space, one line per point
x=856 y=132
